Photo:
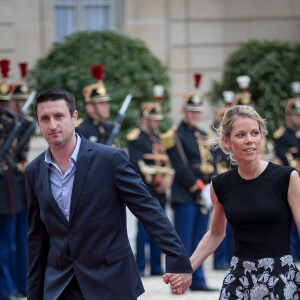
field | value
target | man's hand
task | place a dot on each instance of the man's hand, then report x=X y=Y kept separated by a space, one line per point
x=180 y=282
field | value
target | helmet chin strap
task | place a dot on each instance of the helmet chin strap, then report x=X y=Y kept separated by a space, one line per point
x=150 y=128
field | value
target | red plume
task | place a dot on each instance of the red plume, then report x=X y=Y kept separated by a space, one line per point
x=4 y=64
x=197 y=77
x=23 y=68
x=97 y=72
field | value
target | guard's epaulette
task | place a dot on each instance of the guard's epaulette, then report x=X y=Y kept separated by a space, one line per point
x=78 y=122
x=167 y=139
x=133 y=134
x=207 y=134
x=279 y=133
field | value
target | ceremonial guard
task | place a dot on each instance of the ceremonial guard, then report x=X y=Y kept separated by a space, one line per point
x=20 y=153
x=287 y=149
x=150 y=160
x=190 y=154
x=7 y=184
x=244 y=97
x=96 y=102
x=224 y=253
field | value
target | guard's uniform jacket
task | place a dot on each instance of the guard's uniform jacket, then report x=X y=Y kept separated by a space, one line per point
x=287 y=146
x=95 y=131
x=139 y=144
x=199 y=163
x=13 y=196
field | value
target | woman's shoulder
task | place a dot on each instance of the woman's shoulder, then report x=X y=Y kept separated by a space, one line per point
x=227 y=173
x=280 y=168
x=224 y=177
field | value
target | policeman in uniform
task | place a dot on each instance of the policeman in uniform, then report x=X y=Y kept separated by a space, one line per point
x=7 y=180
x=97 y=107
x=287 y=149
x=190 y=154
x=224 y=253
x=151 y=162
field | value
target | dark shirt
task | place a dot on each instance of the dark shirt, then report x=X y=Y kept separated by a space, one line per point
x=258 y=211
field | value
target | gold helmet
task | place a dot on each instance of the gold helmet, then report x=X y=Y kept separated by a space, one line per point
x=96 y=92
x=292 y=105
x=193 y=100
x=21 y=90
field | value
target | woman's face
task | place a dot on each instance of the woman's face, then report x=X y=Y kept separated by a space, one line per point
x=245 y=140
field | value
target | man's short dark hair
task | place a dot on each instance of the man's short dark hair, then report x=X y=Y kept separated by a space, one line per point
x=54 y=94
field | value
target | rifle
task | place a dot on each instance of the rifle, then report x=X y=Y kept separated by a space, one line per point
x=118 y=121
x=14 y=133
x=24 y=140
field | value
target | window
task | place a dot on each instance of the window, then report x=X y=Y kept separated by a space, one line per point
x=75 y=15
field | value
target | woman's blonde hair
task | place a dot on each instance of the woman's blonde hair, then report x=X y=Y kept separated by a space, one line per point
x=230 y=116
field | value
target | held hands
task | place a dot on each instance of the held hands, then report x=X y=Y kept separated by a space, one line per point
x=180 y=282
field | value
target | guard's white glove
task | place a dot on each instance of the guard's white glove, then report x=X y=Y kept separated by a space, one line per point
x=205 y=195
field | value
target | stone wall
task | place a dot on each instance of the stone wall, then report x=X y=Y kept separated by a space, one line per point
x=26 y=32
x=198 y=35
x=187 y=35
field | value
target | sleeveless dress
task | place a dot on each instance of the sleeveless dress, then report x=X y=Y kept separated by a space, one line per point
x=258 y=211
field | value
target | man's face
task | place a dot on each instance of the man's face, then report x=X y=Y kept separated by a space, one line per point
x=191 y=117
x=3 y=106
x=56 y=123
x=102 y=109
x=295 y=120
x=17 y=105
x=153 y=125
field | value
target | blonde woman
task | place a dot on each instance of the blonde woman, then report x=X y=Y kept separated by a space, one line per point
x=259 y=199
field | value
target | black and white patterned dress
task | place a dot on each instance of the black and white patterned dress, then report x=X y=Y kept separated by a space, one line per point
x=257 y=209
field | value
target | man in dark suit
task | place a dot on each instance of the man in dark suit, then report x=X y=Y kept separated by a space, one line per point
x=78 y=246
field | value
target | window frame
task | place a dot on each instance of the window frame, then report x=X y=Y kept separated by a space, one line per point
x=79 y=9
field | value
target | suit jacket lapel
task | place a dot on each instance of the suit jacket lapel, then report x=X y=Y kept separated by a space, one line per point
x=44 y=171
x=82 y=166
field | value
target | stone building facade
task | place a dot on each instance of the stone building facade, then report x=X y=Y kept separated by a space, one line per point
x=187 y=35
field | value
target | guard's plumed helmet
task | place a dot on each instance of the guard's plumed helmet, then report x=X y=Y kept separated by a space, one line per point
x=193 y=100
x=96 y=92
